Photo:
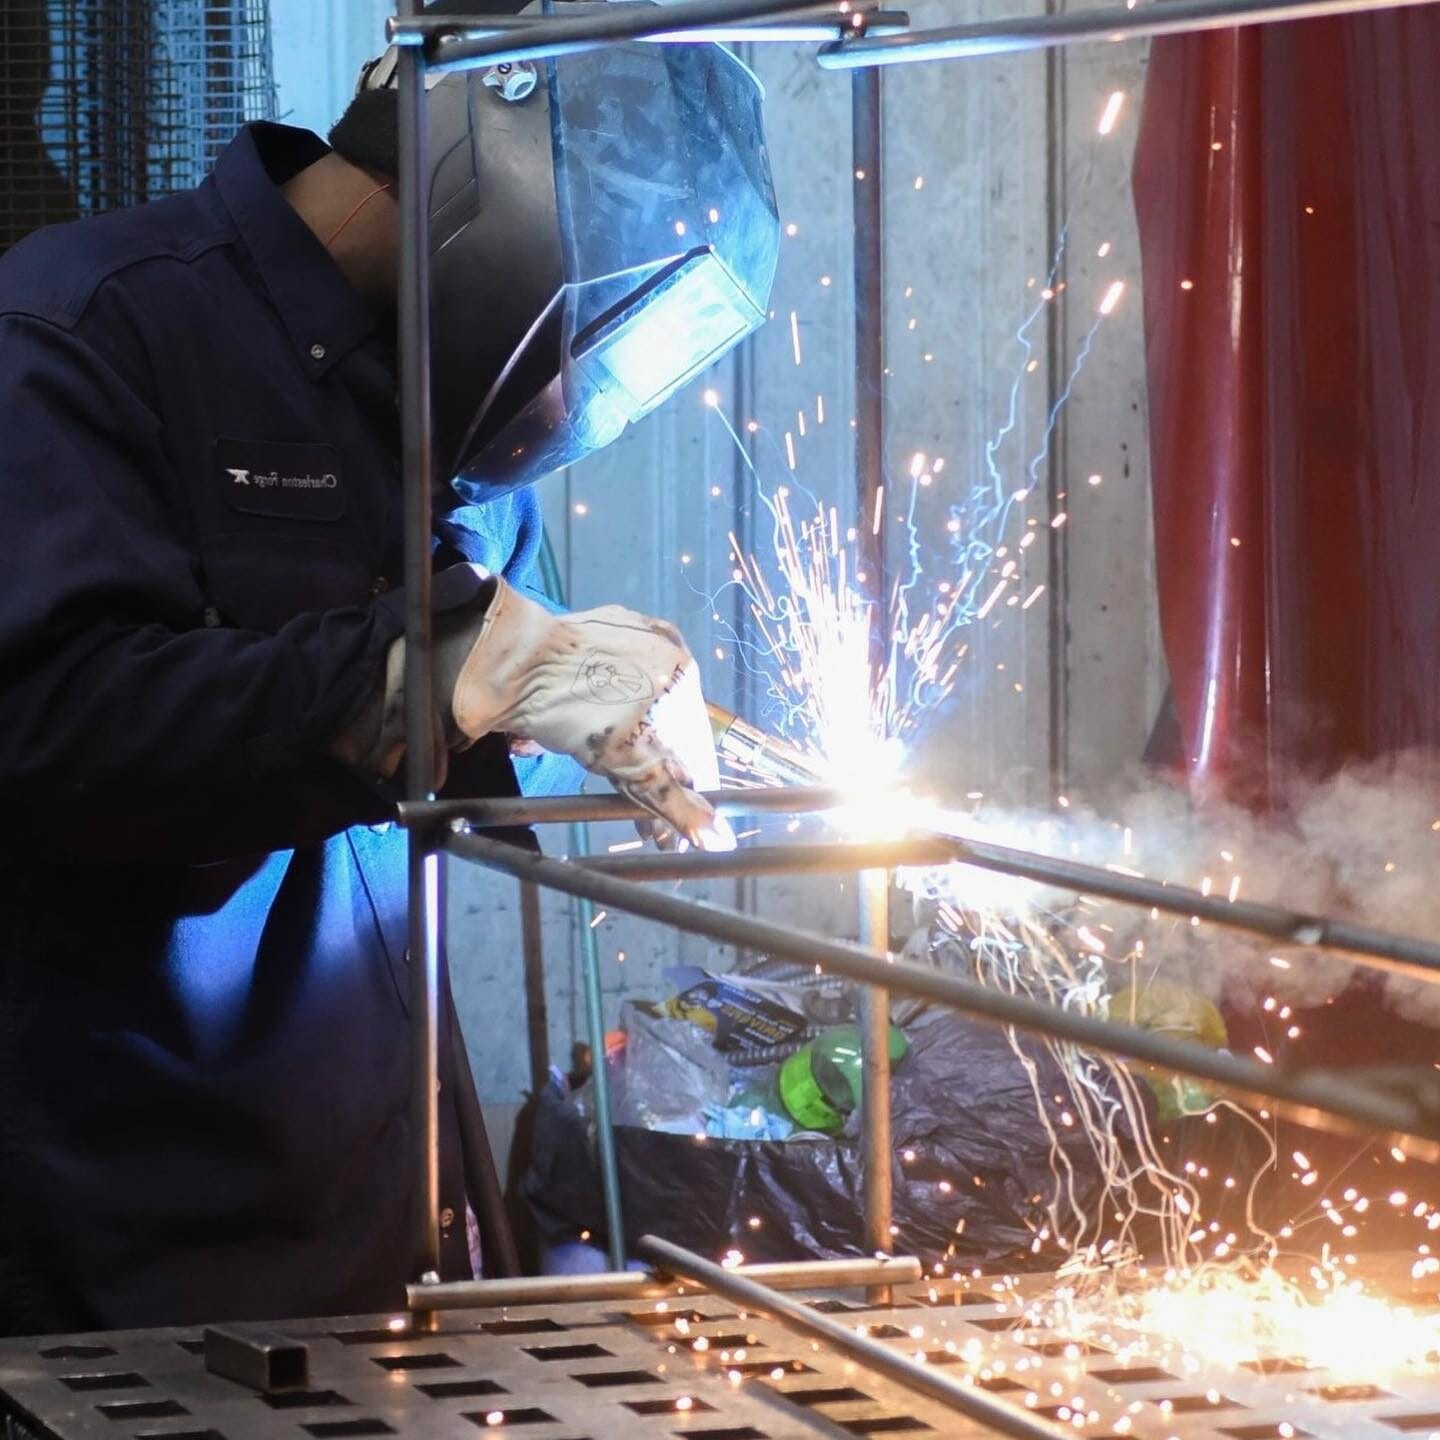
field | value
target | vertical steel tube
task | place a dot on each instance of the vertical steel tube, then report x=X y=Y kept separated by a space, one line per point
x=742 y=522
x=869 y=213
x=875 y=1077
x=424 y=860
x=1057 y=536
x=868 y=204
x=599 y=1075
x=483 y=1186
x=537 y=1012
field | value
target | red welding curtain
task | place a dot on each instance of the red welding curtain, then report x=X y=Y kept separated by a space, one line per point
x=1287 y=183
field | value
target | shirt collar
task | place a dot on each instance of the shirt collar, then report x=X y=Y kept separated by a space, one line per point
x=324 y=314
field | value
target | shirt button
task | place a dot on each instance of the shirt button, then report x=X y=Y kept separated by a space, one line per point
x=317 y=351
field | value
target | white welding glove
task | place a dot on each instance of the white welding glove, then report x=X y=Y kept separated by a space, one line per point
x=617 y=690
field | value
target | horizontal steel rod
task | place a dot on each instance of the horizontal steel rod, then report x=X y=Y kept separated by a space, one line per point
x=1312 y=1097
x=1377 y=949
x=1044 y=32
x=1380 y=949
x=838 y=858
x=417 y=29
x=778 y=32
x=608 y=25
x=825 y=23
x=800 y=1319
x=511 y=813
x=653 y=1284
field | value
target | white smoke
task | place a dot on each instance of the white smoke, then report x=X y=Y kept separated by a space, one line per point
x=1364 y=845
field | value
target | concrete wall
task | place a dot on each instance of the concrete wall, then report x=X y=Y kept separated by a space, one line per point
x=999 y=189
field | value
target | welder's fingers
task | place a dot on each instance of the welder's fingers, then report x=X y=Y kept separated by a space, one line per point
x=644 y=770
x=686 y=815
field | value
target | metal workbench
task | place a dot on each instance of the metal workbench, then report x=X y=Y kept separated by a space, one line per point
x=688 y=1366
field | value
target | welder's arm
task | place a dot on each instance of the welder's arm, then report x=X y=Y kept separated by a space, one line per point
x=129 y=729
x=616 y=690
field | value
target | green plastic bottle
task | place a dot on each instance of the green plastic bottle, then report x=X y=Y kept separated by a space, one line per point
x=820 y=1084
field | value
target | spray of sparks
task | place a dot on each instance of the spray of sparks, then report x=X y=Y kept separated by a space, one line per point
x=1208 y=1295
x=1215 y=1293
x=1144 y=1270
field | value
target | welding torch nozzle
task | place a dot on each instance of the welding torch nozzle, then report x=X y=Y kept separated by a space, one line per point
x=757 y=753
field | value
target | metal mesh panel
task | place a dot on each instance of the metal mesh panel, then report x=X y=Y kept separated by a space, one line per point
x=39 y=92
x=211 y=70
x=106 y=103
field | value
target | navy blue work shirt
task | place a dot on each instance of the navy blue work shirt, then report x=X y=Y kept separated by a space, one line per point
x=204 y=1055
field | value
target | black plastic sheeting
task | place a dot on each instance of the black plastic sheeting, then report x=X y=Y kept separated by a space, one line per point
x=961 y=1102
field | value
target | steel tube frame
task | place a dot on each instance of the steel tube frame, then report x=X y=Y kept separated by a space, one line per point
x=928 y=1380
x=1378 y=949
x=1312 y=1097
x=1044 y=32
x=653 y=1284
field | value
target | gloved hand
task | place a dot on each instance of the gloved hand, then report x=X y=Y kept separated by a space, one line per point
x=617 y=690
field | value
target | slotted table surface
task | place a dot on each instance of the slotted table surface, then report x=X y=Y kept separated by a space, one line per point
x=632 y=1371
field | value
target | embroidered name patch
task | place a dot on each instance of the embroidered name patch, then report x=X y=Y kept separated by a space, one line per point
x=293 y=482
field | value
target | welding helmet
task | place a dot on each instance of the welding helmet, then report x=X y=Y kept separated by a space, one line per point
x=602 y=228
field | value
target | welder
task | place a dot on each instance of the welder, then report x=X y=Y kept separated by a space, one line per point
x=204 y=1053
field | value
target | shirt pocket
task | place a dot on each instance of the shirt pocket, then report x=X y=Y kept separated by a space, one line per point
x=265 y=575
